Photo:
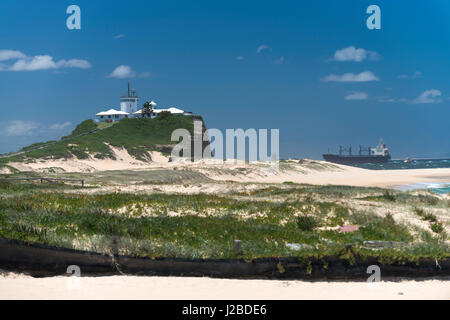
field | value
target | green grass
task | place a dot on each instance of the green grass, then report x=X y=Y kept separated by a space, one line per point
x=389 y=196
x=84 y=127
x=306 y=223
x=137 y=177
x=36 y=145
x=334 y=192
x=426 y=216
x=406 y=198
x=435 y=225
x=204 y=226
x=137 y=136
x=104 y=125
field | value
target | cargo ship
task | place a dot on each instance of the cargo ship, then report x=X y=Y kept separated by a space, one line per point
x=380 y=154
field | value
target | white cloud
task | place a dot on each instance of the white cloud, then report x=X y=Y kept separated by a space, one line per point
x=60 y=126
x=364 y=76
x=122 y=72
x=19 y=128
x=240 y=58
x=74 y=63
x=428 y=96
x=119 y=36
x=415 y=75
x=23 y=128
x=392 y=100
x=353 y=54
x=11 y=54
x=144 y=75
x=35 y=63
x=279 y=60
x=262 y=48
x=356 y=95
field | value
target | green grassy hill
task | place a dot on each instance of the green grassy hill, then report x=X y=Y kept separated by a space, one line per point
x=137 y=136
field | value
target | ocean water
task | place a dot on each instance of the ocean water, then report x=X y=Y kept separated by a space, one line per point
x=438 y=187
x=442 y=190
x=399 y=164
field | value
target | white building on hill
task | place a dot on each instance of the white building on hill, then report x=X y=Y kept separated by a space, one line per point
x=112 y=115
x=129 y=102
x=128 y=109
x=155 y=112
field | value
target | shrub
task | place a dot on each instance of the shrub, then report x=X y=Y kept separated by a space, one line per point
x=164 y=114
x=4 y=184
x=389 y=196
x=306 y=223
x=428 y=199
x=425 y=215
x=80 y=154
x=437 y=227
x=430 y=217
x=419 y=211
x=84 y=127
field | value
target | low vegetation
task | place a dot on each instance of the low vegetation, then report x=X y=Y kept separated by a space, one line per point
x=435 y=225
x=147 y=135
x=206 y=225
x=84 y=127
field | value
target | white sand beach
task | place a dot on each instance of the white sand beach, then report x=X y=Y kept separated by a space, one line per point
x=309 y=171
x=15 y=286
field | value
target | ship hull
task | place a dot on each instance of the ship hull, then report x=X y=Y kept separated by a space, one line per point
x=357 y=159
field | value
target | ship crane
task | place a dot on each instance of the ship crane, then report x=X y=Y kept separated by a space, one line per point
x=348 y=150
x=362 y=149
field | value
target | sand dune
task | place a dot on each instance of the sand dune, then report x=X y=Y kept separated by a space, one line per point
x=307 y=171
x=123 y=161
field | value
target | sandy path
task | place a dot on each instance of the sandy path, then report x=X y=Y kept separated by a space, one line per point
x=131 y=287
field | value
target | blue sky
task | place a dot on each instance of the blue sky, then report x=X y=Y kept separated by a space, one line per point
x=240 y=64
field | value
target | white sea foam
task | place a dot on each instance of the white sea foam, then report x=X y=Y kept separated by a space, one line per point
x=438 y=187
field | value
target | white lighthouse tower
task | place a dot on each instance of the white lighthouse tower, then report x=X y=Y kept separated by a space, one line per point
x=128 y=103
